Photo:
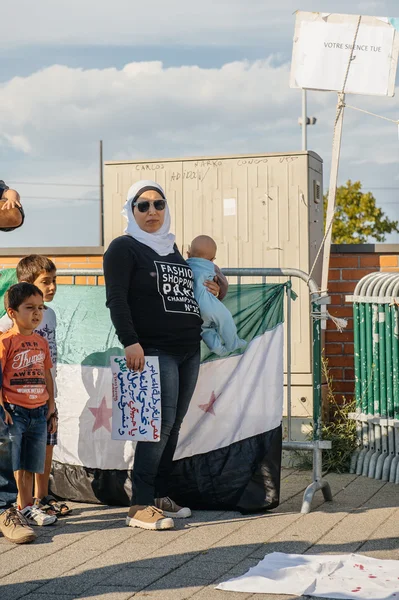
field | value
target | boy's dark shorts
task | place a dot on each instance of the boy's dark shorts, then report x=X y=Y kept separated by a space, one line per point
x=28 y=436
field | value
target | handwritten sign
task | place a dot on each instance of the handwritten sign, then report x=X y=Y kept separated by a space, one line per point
x=323 y=58
x=136 y=401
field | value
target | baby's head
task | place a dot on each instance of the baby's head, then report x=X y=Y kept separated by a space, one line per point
x=202 y=246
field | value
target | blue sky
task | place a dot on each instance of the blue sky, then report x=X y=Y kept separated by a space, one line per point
x=160 y=79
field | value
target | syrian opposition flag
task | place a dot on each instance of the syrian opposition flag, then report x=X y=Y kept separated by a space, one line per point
x=229 y=452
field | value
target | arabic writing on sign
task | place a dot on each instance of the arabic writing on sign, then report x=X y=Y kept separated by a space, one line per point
x=136 y=401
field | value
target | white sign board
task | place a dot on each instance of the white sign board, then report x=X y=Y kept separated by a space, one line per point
x=229 y=207
x=322 y=52
x=136 y=401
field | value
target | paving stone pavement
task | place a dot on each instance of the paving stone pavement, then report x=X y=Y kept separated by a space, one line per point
x=91 y=554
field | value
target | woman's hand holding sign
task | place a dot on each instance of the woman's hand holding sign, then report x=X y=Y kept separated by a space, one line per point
x=135 y=357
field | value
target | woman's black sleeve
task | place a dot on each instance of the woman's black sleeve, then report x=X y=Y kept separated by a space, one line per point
x=118 y=267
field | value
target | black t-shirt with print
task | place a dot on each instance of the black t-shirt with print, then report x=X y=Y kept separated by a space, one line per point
x=151 y=297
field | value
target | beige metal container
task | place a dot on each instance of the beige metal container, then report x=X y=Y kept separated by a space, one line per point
x=263 y=210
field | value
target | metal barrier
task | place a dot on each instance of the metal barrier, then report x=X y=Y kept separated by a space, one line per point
x=316 y=445
x=376 y=335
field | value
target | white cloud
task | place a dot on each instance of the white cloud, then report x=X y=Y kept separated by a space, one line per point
x=18 y=142
x=58 y=114
x=144 y=109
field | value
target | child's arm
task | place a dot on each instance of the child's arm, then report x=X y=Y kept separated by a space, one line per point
x=7 y=417
x=51 y=416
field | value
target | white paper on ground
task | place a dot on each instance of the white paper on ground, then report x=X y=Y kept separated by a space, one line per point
x=341 y=576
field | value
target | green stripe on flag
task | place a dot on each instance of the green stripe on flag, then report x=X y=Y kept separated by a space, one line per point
x=85 y=334
x=256 y=308
x=7 y=278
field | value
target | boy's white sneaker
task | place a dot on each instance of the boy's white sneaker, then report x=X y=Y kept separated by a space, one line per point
x=35 y=516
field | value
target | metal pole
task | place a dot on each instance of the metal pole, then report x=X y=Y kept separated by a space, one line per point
x=318 y=482
x=101 y=195
x=395 y=360
x=304 y=122
x=316 y=373
x=383 y=361
x=370 y=364
x=356 y=339
x=376 y=362
x=363 y=359
x=289 y=366
x=336 y=149
x=389 y=369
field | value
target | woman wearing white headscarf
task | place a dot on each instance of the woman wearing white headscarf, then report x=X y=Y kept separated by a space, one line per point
x=150 y=296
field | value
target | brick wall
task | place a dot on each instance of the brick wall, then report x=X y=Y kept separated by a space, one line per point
x=91 y=261
x=347 y=267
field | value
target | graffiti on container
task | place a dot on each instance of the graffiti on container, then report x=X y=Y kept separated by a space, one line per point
x=243 y=162
x=288 y=159
x=207 y=163
x=192 y=175
x=150 y=167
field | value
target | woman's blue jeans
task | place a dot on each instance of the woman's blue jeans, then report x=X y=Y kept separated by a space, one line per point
x=153 y=460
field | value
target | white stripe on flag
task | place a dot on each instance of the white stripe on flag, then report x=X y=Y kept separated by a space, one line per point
x=236 y=398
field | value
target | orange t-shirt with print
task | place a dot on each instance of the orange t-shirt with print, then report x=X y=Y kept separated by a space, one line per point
x=24 y=360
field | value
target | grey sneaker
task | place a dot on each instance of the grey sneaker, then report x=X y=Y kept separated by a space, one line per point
x=171 y=509
x=15 y=528
x=148 y=517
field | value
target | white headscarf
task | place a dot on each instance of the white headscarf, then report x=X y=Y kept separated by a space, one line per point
x=160 y=241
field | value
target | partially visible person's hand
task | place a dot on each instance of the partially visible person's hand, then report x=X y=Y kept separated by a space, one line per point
x=50 y=409
x=12 y=200
x=135 y=357
x=7 y=418
x=52 y=424
x=9 y=204
x=223 y=283
x=213 y=287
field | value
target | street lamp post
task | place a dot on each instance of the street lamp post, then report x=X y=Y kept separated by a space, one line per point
x=304 y=121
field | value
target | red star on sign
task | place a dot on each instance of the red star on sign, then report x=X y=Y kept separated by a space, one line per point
x=209 y=407
x=102 y=416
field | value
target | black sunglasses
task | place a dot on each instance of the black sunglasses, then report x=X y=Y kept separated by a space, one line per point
x=144 y=205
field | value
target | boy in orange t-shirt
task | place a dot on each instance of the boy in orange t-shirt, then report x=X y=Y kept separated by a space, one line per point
x=27 y=394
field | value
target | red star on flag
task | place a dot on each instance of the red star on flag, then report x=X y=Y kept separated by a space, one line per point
x=209 y=407
x=102 y=416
